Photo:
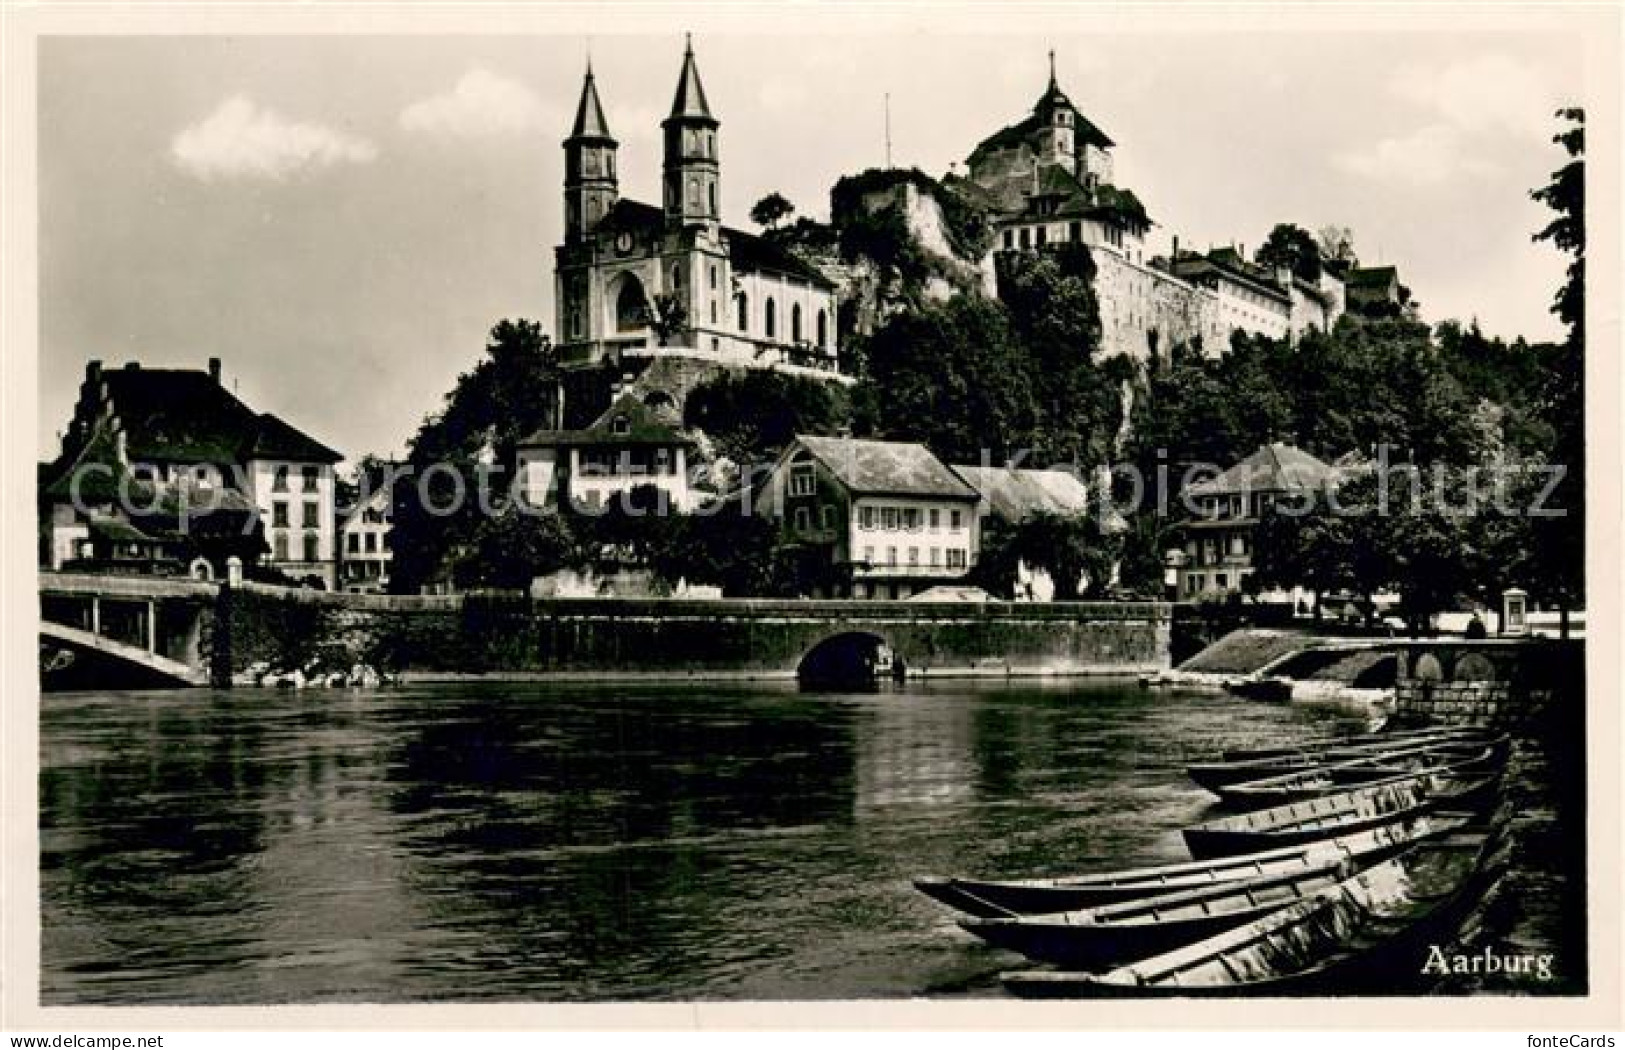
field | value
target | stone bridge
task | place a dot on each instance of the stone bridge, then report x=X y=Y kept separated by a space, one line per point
x=214 y=633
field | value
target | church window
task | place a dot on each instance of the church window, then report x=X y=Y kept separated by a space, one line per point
x=594 y=209
x=713 y=311
x=609 y=164
x=795 y=323
x=823 y=329
x=713 y=189
x=771 y=319
x=630 y=314
x=694 y=193
x=743 y=304
x=713 y=277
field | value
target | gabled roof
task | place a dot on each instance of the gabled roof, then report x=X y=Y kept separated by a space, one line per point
x=1273 y=468
x=884 y=468
x=1014 y=494
x=186 y=416
x=590 y=122
x=746 y=251
x=639 y=425
x=689 y=103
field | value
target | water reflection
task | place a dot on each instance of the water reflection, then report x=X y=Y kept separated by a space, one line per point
x=579 y=842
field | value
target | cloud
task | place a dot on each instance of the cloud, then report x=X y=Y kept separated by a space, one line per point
x=480 y=104
x=242 y=140
x=1429 y=156
x=1484 y=94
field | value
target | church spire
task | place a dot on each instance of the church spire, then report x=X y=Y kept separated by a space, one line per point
x=692 y=169
x=689 y=102
x=1053 y=86
x=590 y=122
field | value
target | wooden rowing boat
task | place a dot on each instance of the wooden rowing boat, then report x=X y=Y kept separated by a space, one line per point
x=1098 y=938
x=993 y=899
x=1397 y=738
x=1217 y=775
x=1327 y=780
x=1340 y=814
x=1366 y=933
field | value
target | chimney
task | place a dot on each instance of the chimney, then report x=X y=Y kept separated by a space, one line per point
x=214 y=370
x=1176 y=246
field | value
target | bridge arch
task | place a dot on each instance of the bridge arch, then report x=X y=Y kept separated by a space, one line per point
x=851 y=657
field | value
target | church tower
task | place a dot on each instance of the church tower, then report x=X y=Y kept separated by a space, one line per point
x=692 y=176
x=590 y=186
x=1056 y=142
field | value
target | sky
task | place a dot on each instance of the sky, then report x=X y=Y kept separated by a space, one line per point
x=342 y=219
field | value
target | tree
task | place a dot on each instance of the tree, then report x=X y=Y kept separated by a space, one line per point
x=1565 y=195
x=513 y=548
x=1558 y=542
x=667 y=315
x=952 y=376
x=1292 y=248
x=752 y=415
x=1336 y=244
x=509 y=394
x=771 y=210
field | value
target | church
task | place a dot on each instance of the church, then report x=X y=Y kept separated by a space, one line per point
x=634 y=281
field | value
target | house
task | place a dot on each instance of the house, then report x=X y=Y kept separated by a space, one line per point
x=365 y=546
x=233 y=481
x=1012 y=495
x=1218 y=538
x=630 y=445
x=882 y=519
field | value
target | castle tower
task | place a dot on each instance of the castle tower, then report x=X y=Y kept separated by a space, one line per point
x=590 y=186
x=692 y=176
x=1056 y=130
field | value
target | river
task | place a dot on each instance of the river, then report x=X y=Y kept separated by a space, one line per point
x=590 y=842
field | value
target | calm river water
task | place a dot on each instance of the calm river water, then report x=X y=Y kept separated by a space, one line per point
x=597 y=842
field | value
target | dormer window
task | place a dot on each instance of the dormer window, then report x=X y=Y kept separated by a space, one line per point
x=621 y=425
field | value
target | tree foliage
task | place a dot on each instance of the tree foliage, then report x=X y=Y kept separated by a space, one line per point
x=771 y=210
x=509 y=394
x=753 y=414
x=1292 y=248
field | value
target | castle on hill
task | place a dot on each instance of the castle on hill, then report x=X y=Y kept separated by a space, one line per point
x=638 y=284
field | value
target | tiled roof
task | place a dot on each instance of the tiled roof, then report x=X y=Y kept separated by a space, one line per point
x=1014 y=494
x=1372 y=276
x=746 y=251
x=1273 y=468
x=186 y=416
x=642 y=427
x=885 y=468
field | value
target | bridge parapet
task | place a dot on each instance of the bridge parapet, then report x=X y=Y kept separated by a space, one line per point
x=1496 y=681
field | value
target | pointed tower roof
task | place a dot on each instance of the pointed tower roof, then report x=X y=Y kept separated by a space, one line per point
x=590 y=122
x=689 y=103
x=1053 y=98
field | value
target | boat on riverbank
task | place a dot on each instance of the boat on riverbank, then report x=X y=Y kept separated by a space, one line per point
x=984 y=898
x=1343 y=813
x=1448 y=760
x=1218 y=775
x=1364 y=933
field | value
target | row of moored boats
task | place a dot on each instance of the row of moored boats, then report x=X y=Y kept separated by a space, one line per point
x=1342 y=862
